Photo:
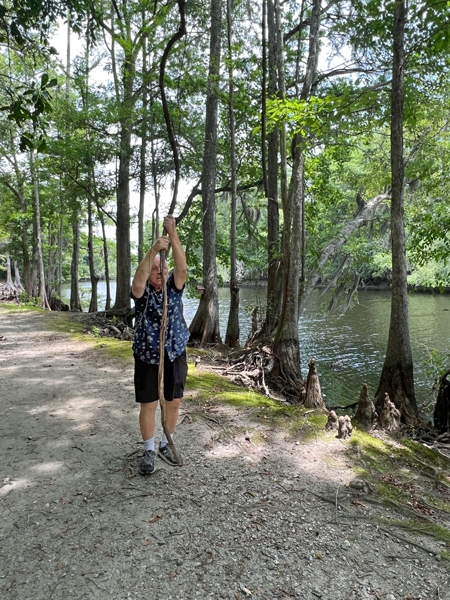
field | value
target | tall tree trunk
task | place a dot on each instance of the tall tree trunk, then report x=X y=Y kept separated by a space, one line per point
x=297 y=82
x=124 y=32
x=75 y=303
x=10 y=288
x=274 y=279
x=20 y=194
x=286 y=343
x=68 y=59
x=60 y=256
x=127 y=102
x=93 y=305
x=106 y=261
x=51 y=263
x=27 y=276
x=123 y=217
x=17 y=283
x=42 y=291
x=34 y=263
x=283 y=152
x=60 y=236
x=205 y=325
x=264 y=96
x=142 y=178
x=397 y=376
x=286 y=346
x=232 y=335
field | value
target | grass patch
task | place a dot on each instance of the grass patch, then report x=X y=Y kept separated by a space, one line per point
x=415 y=451
x=213 y=388
x=371 y=457
x=257 y=438
x=11 y=307
x=113 y=347
x=194 y=352
x=300 y=423
x=425 y=527
x=62 y=323
x=407 y=476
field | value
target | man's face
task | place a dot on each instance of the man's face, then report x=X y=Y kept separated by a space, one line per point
x=155 y=275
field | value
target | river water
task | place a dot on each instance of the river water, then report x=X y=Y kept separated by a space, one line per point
x=357 y=339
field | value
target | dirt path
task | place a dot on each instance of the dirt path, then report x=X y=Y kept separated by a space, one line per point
x=239 y=520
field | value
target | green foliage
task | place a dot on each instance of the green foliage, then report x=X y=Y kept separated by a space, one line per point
x=436 y=364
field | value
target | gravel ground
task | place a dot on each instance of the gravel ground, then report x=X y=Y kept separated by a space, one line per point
x=239 y=520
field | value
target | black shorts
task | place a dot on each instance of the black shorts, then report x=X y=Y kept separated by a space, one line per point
x=146 y=379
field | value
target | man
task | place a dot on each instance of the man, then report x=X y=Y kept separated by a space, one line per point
x=147 y=294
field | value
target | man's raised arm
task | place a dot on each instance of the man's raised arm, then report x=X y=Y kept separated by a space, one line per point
x=179 y=258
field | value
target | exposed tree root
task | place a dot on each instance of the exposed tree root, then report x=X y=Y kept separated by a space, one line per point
x=366 y=410
x=251 y=368
x=103 y=326
x=311 y=392
x=254 y=368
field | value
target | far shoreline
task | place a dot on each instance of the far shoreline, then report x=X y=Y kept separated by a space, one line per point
x=376 y=287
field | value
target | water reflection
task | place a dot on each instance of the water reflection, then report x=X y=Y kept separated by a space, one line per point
x=358 y=339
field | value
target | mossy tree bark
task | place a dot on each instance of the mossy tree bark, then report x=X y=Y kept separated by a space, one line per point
x=397 y=376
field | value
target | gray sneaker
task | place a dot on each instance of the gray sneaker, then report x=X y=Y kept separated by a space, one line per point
x=147 y=465
x=166 y=454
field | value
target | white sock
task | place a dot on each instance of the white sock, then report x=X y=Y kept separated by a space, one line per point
x=164 y=440
x=149 y=444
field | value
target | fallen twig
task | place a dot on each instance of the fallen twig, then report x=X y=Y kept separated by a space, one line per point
x=337 y=494
x=403 y=539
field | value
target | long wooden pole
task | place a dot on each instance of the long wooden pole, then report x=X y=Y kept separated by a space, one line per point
x=162 y=336
x=162 y=346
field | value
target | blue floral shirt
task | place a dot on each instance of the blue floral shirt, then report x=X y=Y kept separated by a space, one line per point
x=148 y=326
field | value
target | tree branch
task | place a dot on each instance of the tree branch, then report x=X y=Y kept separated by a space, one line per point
x=332 y=247
x=88 y=191
x=12 y=189
x=177 y=36
x=195 y=192
x=240 y=188
x=305 y=23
